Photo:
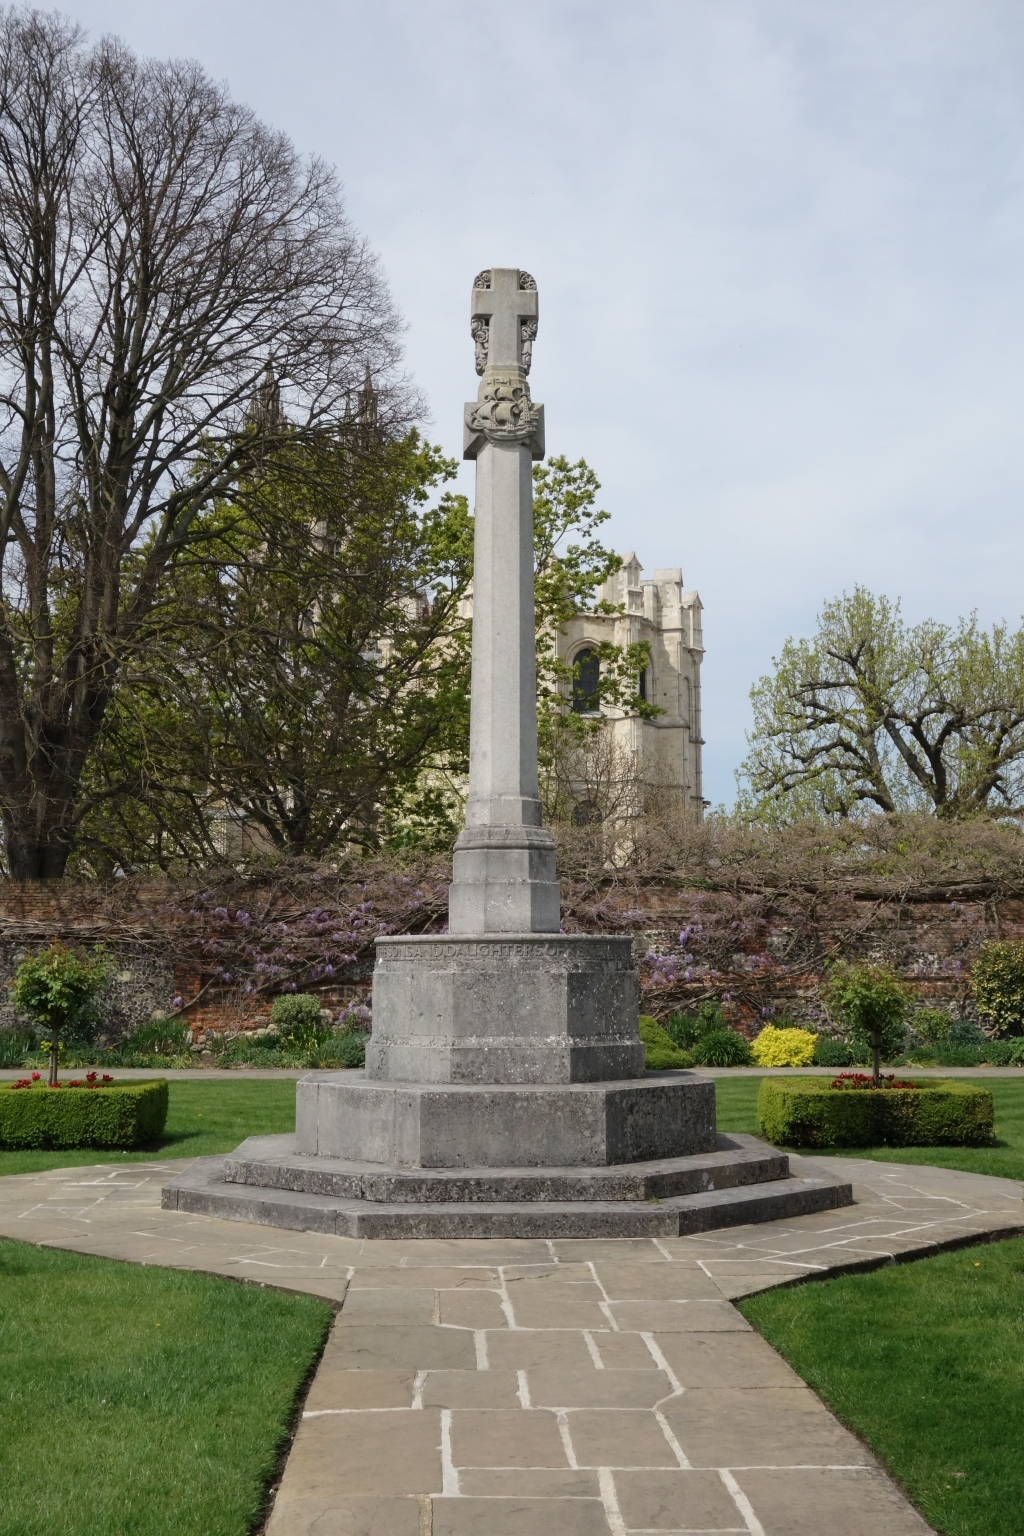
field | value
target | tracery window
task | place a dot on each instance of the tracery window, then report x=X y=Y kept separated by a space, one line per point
x=585 y=700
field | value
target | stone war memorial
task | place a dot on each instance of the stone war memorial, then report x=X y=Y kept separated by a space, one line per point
x=504 y=1093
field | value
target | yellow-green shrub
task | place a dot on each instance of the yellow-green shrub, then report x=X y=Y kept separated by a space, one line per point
x=998 y=984
x=783 y=1047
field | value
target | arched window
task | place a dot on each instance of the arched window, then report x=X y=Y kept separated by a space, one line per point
x=587 y=663
x=643 y=685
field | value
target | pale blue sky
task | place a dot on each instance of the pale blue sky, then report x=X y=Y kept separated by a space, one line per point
x=780 y=252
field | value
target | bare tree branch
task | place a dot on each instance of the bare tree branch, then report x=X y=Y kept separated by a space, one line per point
x=159 y=248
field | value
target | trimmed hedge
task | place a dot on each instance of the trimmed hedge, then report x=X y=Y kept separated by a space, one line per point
x=806 y=1112
x=123 y=1115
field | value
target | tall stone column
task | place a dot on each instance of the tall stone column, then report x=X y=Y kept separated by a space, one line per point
x=504 y=997
x=504 y=874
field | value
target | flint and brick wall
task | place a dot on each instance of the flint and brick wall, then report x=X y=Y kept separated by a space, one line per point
x=147 y=980
x=931 y=943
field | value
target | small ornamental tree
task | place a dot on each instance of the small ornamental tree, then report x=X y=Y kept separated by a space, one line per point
x=873 y=1004
x=998 y=984
x=55 y=988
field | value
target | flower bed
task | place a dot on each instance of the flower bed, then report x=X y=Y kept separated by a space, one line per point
x=810 y=1112
x=865 y=1080
x=88 y=1112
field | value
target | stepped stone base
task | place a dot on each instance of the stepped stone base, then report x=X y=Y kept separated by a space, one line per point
x=488 y=1125
x=269 y=1182
x=273 y=1162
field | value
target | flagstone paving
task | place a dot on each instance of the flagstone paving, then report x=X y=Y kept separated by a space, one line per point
x=591 y=1388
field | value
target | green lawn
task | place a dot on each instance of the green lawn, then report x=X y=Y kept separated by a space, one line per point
x=202 y=1119
x=926 y=1362
x=142 y=1401
x=737 y=1111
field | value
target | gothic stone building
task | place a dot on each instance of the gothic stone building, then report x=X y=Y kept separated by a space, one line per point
x=666 y=751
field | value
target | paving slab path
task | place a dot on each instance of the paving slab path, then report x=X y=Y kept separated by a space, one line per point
x=567 y=1388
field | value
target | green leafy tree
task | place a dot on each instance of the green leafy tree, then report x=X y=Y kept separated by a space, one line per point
x=57 y=987
x=873 y=1004
x=997 y=981
x=307 y=673
x=873 y=714
x=307 y=670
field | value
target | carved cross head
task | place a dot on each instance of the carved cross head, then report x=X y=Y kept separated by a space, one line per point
x=503 y=320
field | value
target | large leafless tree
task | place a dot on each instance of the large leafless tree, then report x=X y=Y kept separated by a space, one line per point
x=160 y=249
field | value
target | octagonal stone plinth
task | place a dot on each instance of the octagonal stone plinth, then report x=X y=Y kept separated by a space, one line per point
x=519 y=1008
x=585 y=1125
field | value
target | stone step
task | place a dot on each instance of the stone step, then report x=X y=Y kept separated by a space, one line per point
x=271 y=1162
x=203 y=1190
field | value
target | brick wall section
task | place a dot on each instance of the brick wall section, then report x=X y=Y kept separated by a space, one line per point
x=226 y=1010
x=33 y=913
x=931 y=943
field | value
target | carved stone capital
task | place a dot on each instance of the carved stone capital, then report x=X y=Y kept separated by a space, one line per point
x=504 y=413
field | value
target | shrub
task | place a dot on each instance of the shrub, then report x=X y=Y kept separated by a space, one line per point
x=344 y=1050
x=776 y=1047
x=322 y=1048
x=808 y=1112
x=963 y=1032
x=58 y=989
x=122 y=1115
x=354 y=1017
x=685 y=1029
x=959 y=1055
x=998 y=984
x=829 y=1052
x=261 y=1053
x=157 y=1037
x=296 y=1019
x=722 y=1048
x=15 y=1045
x=660 y=1052
x=930 y=1025
x=254 y=1051
x=962 y=1045
x=873 y=1004
x=950 y=1056
x=999 y=1053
